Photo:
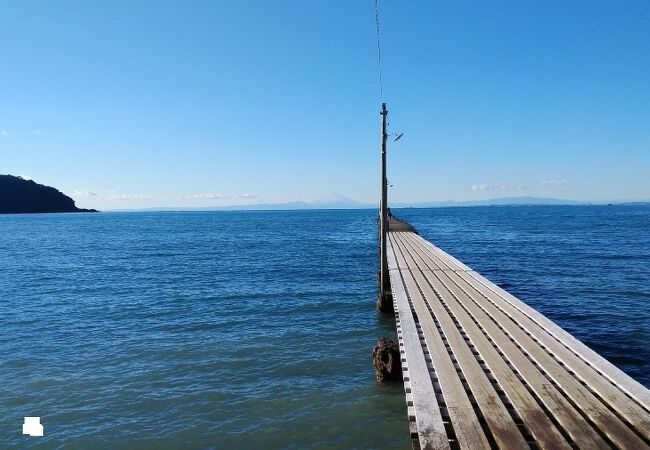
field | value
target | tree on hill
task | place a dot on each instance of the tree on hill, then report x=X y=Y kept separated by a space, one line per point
x=18 y=195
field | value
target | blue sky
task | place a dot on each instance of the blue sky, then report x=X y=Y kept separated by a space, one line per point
x=127 y=104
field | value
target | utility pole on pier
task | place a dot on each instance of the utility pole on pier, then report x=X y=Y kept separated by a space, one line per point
x=384 y=300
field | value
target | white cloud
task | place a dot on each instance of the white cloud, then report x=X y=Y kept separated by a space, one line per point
x=3 y=133
x=498 y=187
x=191 y=199
x=490 y=187
x=553 y=182
x=81 y=194
x=128 y=197
x=203 y=196
x=217 y=196
x=248 y=196
x=25 y=177
x=482 y=187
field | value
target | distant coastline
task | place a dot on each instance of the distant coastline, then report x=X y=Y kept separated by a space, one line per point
x=21 y=196
x=345 y=203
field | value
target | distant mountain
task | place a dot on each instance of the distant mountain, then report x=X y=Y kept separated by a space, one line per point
x=493 y=202
x=18 y=195
x=331 y=201
x=338 y=201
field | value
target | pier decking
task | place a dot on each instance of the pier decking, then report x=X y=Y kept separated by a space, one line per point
x=484 y=370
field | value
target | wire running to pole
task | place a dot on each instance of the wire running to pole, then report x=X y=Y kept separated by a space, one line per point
x=381 y=81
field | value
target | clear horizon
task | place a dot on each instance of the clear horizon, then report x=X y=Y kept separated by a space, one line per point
x=123 y=106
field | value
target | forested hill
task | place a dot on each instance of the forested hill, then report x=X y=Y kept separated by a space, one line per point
x=18 y=195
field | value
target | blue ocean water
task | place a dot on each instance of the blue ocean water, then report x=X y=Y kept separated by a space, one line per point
x=254 y=329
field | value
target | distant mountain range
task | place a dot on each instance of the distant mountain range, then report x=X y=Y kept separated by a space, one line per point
x=20 y=195
x=339 y=201
x=494 y=202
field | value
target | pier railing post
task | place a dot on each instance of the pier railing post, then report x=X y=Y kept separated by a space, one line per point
x=384 y=300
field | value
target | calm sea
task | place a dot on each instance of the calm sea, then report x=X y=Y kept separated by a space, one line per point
x=254 y=329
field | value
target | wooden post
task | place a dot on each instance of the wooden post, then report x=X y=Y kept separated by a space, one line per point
x=384 y=300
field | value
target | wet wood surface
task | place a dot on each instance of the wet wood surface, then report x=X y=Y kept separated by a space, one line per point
x=484 y=370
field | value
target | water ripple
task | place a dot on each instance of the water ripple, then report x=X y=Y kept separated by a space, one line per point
x=253 y=330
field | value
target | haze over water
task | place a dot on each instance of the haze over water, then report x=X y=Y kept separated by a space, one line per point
x=254 y=329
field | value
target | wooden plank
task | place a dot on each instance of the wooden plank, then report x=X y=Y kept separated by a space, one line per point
x=500 y=422
x=447 y=262
x=570 y=419
x=624 y=382
x=607 y=422
x=602 y=417
x=627 y=384
x=390 y=254
x=540 y=367
x=430 y=426
x=467 y=427
x=632 y=411
x=531 y=413
x=609 y=392
x=440 y=263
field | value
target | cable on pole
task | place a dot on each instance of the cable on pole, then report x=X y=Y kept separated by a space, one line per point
x=381 y=82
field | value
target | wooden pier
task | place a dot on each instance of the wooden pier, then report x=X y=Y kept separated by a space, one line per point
x=484 y=370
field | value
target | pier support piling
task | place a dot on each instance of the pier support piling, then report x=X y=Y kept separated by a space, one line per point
x=386 y=360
